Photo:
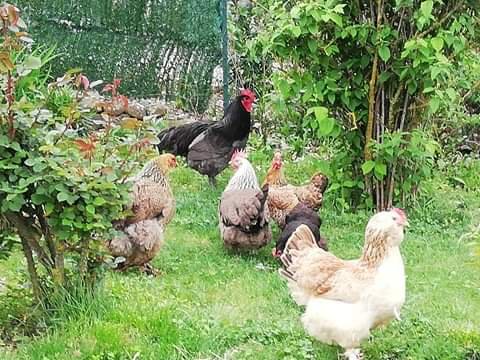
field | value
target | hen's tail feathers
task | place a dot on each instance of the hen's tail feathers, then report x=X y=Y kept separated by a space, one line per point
x=177 y=139
x=301 y=239
x=319 y=181
x=263 y=200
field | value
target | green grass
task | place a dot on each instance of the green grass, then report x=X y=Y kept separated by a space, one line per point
x=212 y=304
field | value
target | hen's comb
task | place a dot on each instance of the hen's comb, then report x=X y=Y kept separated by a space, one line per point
x=248 y=92
x=239 y=153
x=400 y=212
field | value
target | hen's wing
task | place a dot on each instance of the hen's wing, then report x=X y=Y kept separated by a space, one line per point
x=151 y=200
x=209 y=154
x=317 y=272
x=281 y=201
x=243 y=209
x=211 y=151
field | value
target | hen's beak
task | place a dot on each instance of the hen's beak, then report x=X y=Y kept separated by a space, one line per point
x=275 y=253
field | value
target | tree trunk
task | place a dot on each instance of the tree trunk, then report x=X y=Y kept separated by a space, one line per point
x=27 y=234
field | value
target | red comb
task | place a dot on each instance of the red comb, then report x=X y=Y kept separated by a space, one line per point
x=247 y=92
x=400 y=212
x=239 y=153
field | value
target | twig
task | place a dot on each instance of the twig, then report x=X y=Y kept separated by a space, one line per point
x=46 y=232
x=472 y=89
x=371 y=93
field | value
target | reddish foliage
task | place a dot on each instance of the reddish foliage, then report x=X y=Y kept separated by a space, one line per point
x=141 y=144
x=82 y=81
x=123 y=99
x=87 y=147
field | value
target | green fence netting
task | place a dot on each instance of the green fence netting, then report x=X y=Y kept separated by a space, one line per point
x=165 y=48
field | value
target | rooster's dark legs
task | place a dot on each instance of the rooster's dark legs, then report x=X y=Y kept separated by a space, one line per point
x=212 y=181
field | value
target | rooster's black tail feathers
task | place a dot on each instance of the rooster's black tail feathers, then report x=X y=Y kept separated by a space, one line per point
x=176 y=140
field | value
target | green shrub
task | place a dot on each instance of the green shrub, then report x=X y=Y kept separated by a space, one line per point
x=61 y=182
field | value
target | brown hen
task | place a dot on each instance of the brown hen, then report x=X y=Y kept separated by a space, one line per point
x=244 y=218
x=283 y=197
x=153 y=207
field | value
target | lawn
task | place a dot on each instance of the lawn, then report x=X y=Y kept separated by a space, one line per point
x=212 y=304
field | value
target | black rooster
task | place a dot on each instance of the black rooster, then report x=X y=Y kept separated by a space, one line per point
x=208 y=146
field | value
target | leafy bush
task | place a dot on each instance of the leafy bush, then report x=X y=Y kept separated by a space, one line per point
x=62 y=181
x=365 y=74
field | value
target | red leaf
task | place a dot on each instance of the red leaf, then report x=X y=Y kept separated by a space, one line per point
x=86 y=147
x=141 y=144
x=84 y=81
x=124 y=100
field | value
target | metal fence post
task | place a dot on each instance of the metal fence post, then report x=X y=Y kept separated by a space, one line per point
x=226 y=68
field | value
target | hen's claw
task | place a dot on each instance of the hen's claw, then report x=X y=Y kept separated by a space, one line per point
x=353 y=354
x=150 y=270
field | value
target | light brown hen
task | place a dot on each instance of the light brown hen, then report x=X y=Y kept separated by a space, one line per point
x=153 y=207
x=283 y=197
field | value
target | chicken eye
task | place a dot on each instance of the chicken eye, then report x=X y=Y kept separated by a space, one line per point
x=394 y=218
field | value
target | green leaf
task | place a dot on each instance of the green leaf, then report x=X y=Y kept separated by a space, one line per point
x=284 y=87
x=452 y=94
x=384 y=53
x=90 y=209
x=331 y=97
x=49 y=208
x=295 y=12
x=339 y=8
x=320 y=112
x=61 y=196
x=434 y=72
x=296 y=31
x=38 y=199
x=99 y=201
x=312 y=45
x=32 y=62
x=434 y=104
x=426 y=8
x=384 y=76
x=368 y=166
x=337 y=19
x=380 y=170
x=437 y=43
x=313 y=28
x=30 y=162
x=325 y=126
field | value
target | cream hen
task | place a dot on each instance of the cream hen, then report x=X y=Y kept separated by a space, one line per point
x=345 y=299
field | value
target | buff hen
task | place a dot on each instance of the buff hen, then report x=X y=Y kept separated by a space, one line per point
x=153 y=208
x=310 y=194
x=346 y=299
x=244 y=218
